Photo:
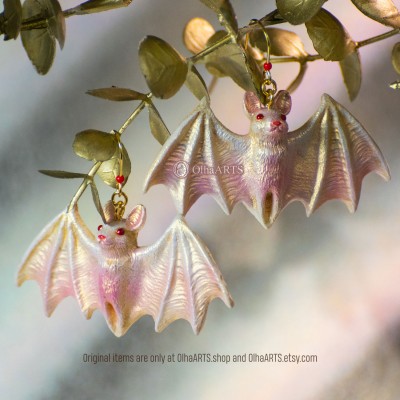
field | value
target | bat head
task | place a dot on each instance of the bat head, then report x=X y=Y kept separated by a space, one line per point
x=120 y=237
x=266 y=120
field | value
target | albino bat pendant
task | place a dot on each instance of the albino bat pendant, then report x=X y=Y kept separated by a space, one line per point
x=174 y=278
x=327 y=158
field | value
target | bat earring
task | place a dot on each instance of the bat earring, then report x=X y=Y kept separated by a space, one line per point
x=327 y=158
x=174 y=278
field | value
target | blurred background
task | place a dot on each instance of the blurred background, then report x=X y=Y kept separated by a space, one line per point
x=325 y=286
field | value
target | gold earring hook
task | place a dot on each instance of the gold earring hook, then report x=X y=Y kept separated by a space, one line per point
x=268 y=86
x=267 y=39
x=119 y=205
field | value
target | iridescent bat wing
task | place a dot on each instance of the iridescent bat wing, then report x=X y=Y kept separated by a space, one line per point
x=177 y=278
x=325 y=159
x=174 y=278
x=202 y=157
x=328 y=158
x=48 y=259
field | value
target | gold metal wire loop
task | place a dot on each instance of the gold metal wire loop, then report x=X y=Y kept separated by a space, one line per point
x=268 y=86
x=268 y=91
x=119 y=206
x=267 y=39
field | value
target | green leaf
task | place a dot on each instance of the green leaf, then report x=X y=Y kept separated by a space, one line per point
x=95 y=6
x=383 y=11
x=196 y=34
x=117 y=94
x=195 y=83
x=351 y=71
x=225 y=12
x=109 y=170
x=396 y=57
x=157 y=125
x=96 y=200
x=283 y=42
x=162 y=66
x=39 y=44
x=95 y=145
x=12 y=18
x=329 y=37
x=62 y=174
x=297 y=12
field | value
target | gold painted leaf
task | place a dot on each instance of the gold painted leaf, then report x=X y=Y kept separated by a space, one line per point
x=96 y=200
x=383 y=11
x=297 y=12
x=229 y=60
x=95 y=145
x=162 y=66
x=214 y=39
x=396 y=57
x=117 y=94
x=157 y=126
x=272 y=18
x=62 y=174
x=283 y=42
x=299 y=78
x=196 y=34
x=39 y=44
x=95 y=6
x=195 y=83
x=225 y=11
x=329 y=37
x=109 y=170
x=12 y=18
x=55 y=20
x=351 y=71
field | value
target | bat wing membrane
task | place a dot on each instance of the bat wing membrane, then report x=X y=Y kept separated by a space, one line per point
x=50 y=258
x=174 y=278
x=200 y=158
x=328 y=158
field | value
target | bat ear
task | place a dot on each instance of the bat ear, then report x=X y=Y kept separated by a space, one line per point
x=251 y=103
x=282 y=102
x=109 y=212
x=136 y=218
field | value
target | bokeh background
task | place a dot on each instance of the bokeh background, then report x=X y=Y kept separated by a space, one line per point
x=327 y=285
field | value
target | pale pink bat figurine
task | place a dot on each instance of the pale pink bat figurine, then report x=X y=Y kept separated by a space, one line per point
x=174 y=278
x=327 y=158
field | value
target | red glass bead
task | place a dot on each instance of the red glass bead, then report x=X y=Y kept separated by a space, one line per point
x=260 y=116
x=267 y=66
x=283 y=117
x=276 y=123
x=120 y=178
x=120 y=231
x=100 y=227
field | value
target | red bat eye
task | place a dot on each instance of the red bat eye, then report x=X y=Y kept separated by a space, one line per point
x=283 y=117
x=120 y=231
x=100 y=227
x=260 y=116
